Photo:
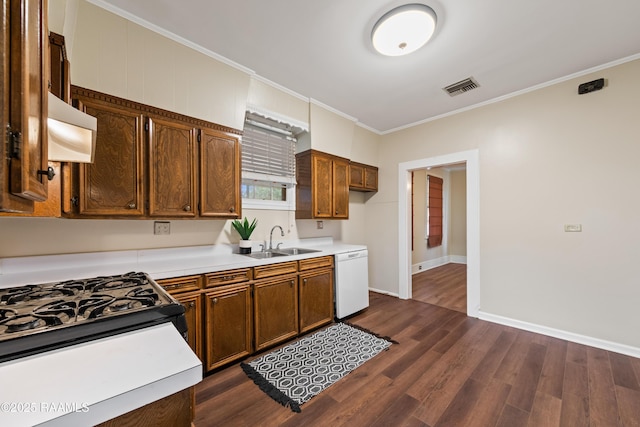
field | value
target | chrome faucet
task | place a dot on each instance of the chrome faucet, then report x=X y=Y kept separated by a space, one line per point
x=271 y=236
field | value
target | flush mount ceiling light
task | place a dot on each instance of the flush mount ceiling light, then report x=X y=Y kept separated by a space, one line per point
x=404 y=29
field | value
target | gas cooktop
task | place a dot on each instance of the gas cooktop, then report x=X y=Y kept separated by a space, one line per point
x=40 y=317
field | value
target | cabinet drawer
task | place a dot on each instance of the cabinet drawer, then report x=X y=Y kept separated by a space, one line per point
x=311 y=263
x=275 y=269
x=180 y=284
x=228 y=277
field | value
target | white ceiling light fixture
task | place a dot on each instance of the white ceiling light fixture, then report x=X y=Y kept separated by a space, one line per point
x=404 y=29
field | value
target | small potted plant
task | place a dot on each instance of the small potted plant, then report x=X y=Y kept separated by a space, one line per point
x=244 y=229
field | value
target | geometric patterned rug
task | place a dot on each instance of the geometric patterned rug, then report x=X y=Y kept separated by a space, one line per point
x=293 y=374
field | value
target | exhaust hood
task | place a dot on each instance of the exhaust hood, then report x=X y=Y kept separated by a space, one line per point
x=72 y=133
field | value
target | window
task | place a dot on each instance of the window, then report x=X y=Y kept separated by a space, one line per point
x=434 y=211
x=268 y=164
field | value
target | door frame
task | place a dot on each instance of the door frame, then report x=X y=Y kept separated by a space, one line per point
x=471 y=159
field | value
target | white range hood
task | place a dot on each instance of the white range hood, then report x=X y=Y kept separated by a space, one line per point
x=72 y=133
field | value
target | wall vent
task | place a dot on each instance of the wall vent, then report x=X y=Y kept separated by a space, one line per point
x=461 y=86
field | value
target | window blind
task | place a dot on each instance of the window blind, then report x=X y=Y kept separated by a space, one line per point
x=268 y=155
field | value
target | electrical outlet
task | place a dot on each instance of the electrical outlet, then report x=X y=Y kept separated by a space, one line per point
x=162 y=228
x=320 y=225
x=572 y=228
x=419 y=267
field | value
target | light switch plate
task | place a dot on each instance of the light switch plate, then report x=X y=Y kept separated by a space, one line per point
x=572 y=228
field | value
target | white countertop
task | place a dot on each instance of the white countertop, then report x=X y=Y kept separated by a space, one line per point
x=92 y=382
x=158 y=263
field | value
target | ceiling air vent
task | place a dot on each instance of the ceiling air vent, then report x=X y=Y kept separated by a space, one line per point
x=462 y=86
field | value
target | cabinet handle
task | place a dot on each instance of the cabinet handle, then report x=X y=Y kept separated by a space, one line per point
x=187 y=208
x=292 y=283
x=318 y=211
x=50 y=173
x=131 y=205
x=215 y=300
x=192 y=304
x=304 y=281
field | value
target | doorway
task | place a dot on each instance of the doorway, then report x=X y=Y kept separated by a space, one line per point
x=438 y=257
x=471 y=160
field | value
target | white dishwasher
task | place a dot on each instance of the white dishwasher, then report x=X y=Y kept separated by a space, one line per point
x=352 y=282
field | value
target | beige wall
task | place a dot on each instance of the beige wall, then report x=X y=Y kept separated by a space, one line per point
x=547 y=158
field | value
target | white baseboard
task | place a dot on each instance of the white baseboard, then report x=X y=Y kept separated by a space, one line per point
x=565 y=335
x=380 y=291
x=433 y=263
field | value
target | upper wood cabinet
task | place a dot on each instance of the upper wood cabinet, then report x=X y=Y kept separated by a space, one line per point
x=219 y=174
x=24 y=68
x=172 y=169
x=114 y=183
x=363 y=177
x=322 y=190
x=152 y=163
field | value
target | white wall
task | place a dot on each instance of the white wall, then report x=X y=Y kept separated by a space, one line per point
x=547 y=158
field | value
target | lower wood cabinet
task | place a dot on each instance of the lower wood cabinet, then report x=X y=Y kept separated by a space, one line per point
x=315 y=299
x=228 y=324
x=276 y=311
x=186 y=290
x=234 y=313
x=175 y=410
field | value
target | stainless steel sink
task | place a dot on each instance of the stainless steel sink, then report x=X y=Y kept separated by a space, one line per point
x=281 y=252
x=296 y=251
x=267 y=254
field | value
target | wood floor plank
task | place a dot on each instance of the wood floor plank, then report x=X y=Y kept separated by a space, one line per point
x=546 y=411
x=623 y=372
x=552 y=376
x=488 y=366
x=526 y=383
x=575 y=410
x=513 y=417
x=489 y=407
x=462 y=405
x=603 y=405
x=629 y=406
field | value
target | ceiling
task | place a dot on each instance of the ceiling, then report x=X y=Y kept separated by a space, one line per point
x=322 y=49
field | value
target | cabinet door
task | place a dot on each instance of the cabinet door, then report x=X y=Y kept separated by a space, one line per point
x=113 y=184
x=228 y=325
x=192 y=303
x=28 y=91
x=172 y=169
x=219 y=174
x=322 y=189
x=356 y=176
x=371 y=179
x=316 y=299
x=340 y=179
x=276 y=311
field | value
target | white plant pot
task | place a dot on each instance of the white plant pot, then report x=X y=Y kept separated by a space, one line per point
x=245 y=246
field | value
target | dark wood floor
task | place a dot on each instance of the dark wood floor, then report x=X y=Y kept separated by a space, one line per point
x=446 y=370
x=444 y=286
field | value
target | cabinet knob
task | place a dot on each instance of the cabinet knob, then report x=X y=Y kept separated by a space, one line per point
x=292 y=283
x=131 y=205
x=192 y=304
x=215 y=300
x=304 y=281
x=232 y=209
x=187 y=208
